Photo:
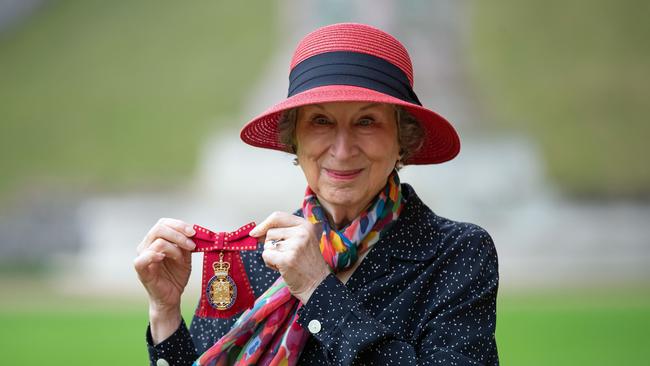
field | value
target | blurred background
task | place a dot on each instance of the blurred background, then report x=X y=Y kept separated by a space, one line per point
x=116 y=113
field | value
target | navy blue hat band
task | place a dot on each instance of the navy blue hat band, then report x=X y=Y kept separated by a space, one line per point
x=351 y=68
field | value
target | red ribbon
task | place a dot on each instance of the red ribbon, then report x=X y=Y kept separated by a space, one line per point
x=230 y=244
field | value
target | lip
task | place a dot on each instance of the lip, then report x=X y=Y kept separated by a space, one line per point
x=343 y=174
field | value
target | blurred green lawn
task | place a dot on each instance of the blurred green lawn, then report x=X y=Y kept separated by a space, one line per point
x=120 y=94
x=574 y=75
x=541 y=328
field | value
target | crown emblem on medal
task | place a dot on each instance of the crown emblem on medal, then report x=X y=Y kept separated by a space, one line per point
x=221 y=268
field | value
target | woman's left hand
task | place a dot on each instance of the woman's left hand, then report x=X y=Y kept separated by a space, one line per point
x=296 y=254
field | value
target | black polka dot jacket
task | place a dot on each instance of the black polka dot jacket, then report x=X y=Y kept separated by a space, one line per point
x=424 y=295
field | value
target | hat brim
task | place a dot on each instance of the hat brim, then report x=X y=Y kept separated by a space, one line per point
x=441 y=142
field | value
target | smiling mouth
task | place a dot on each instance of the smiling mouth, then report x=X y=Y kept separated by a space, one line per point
x=343 y=174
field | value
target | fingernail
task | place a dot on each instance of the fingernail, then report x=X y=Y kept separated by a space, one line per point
x=190 y=244
x=189 y=230
x=253 y=232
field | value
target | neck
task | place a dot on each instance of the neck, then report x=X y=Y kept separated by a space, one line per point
x=340 y=216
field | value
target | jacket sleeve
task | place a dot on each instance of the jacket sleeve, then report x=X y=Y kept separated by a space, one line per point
x=461 y=332
x=178 y=349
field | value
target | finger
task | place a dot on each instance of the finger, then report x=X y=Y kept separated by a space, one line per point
x=178 y=225
x=281 y=233
x=272 y=259
x=169 y=249
x=172 y=235
x=272 y=244
x=141 y=262
x=276 y=219
x=289 y=248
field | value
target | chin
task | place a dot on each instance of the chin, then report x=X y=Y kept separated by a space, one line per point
x=341 y=196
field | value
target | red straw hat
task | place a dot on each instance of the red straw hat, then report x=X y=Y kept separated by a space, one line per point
x=354 y=62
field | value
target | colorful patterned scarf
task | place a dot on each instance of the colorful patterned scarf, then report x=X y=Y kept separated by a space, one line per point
x=268 y=333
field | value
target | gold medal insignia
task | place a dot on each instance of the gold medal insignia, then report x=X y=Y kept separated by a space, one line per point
x=221 y=290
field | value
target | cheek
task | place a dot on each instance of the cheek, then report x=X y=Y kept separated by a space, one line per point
x=310 y=168
x=308 y=143
x=384 y=153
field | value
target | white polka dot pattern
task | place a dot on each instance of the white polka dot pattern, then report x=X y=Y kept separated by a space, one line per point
x=175 y=350
x=425 y=294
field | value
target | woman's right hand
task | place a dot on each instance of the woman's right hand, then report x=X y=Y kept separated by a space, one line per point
x=163 y=265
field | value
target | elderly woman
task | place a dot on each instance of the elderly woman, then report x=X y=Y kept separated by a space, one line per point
x=364 y=272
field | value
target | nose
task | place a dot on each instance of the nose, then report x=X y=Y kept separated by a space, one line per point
x=344 y=146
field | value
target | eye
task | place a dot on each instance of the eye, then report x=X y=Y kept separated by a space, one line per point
x=365 y=121
x=320 y=120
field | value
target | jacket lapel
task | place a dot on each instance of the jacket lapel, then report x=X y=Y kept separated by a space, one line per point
x=375 y=265
x=402 y=242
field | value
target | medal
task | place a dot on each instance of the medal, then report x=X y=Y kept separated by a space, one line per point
x=225 y=289
x=221 y=289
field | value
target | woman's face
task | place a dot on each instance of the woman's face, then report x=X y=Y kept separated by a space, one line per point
x=346 y=150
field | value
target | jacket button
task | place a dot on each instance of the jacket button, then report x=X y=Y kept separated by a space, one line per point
x=162 y=362
x=314 y=326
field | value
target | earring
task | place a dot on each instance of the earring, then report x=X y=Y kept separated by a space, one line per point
x=398 y=163
x=295 y=161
